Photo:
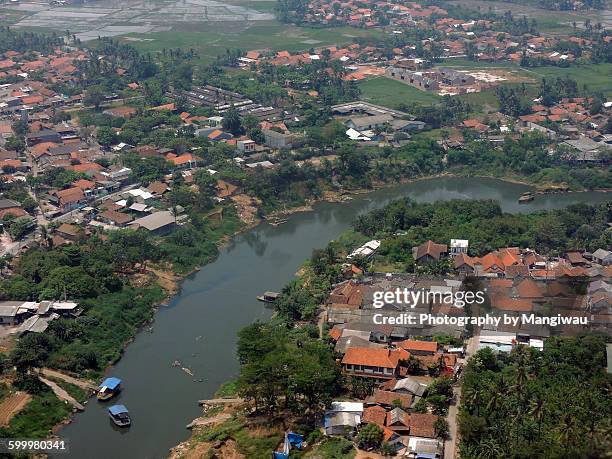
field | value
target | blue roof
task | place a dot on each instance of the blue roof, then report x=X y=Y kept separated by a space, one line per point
x=111 y=383
x=117 y=409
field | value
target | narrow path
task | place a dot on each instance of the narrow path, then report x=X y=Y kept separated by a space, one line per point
x=82 y=383
x=62 y=394
x=450 y=444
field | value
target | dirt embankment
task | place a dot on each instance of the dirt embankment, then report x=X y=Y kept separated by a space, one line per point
x=213 y=414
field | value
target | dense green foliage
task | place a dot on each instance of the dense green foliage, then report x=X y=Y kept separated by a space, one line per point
x=285 y=369
x=92 y=272
x=27 y=41
x=486 y=227
x=549 y=404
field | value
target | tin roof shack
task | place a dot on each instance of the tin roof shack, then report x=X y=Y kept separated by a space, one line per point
x=158 y=223
x=11 y=312
x=343 y=418
x=33 y=316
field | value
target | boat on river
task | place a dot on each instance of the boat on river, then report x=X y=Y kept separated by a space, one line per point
x=526 y=197
x=119 y=415
x=109 y=388
x=269 y=297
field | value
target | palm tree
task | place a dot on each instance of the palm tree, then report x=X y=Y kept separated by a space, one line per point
x=489 y=449
x=538 y=410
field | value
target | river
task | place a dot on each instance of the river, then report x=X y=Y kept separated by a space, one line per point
x=198 y=327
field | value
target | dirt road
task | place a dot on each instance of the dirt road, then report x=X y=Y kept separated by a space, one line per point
x=82 y=383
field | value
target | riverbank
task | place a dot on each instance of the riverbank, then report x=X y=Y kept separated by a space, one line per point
x=199 y=325
x=171 y=281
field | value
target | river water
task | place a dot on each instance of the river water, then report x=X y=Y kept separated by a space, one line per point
x=198 y=327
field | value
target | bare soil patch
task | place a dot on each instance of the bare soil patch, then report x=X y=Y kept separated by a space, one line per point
x=12 y=405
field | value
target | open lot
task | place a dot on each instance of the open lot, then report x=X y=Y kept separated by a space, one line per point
x=392 y=93
x=594 y=76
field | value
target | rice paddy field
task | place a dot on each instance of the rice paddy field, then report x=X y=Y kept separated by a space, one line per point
x=212 y=39
x=207 y=26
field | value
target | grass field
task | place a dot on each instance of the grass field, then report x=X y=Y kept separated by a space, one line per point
x=212 y=39
x=392 y=93
x=8 y=16
x=596 y=77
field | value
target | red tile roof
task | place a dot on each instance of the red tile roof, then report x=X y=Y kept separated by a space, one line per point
x=385 y=358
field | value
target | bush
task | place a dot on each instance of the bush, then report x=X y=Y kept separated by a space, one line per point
x=29 y=383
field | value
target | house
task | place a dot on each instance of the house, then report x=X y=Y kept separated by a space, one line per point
x=275 y=139
x=44 y=135
x=464 y=264
x=373 y=363
x=419 y=347
x=423 y=425
x=184 y=161
x=390 y=399
x=375 y=415
x=421 y=448
x=157 y=189
x=603 y=257
x=459 y=246
x=11 y=312
x=410 y=386
x=10 y=207
x=70 y=198
x=576 y=259
x=115 y=218
x=158 y=223
x=364 y=123
x=69 y=232
x=428 y=252
x=398 y=421
x=246 y=146
x=217 y=135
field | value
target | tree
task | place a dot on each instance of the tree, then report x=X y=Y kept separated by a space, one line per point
x=231 y=121
x=20 y=227
x=106 y=136
x=94 y=96
x=370 y=436
x=442 y=428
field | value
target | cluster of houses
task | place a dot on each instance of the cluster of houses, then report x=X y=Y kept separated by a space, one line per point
x=486 y=39
x=369 y=124
x=574 y=131
x=21 y=317
x=394 y=369
x=522 y=281
x=400 y=357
